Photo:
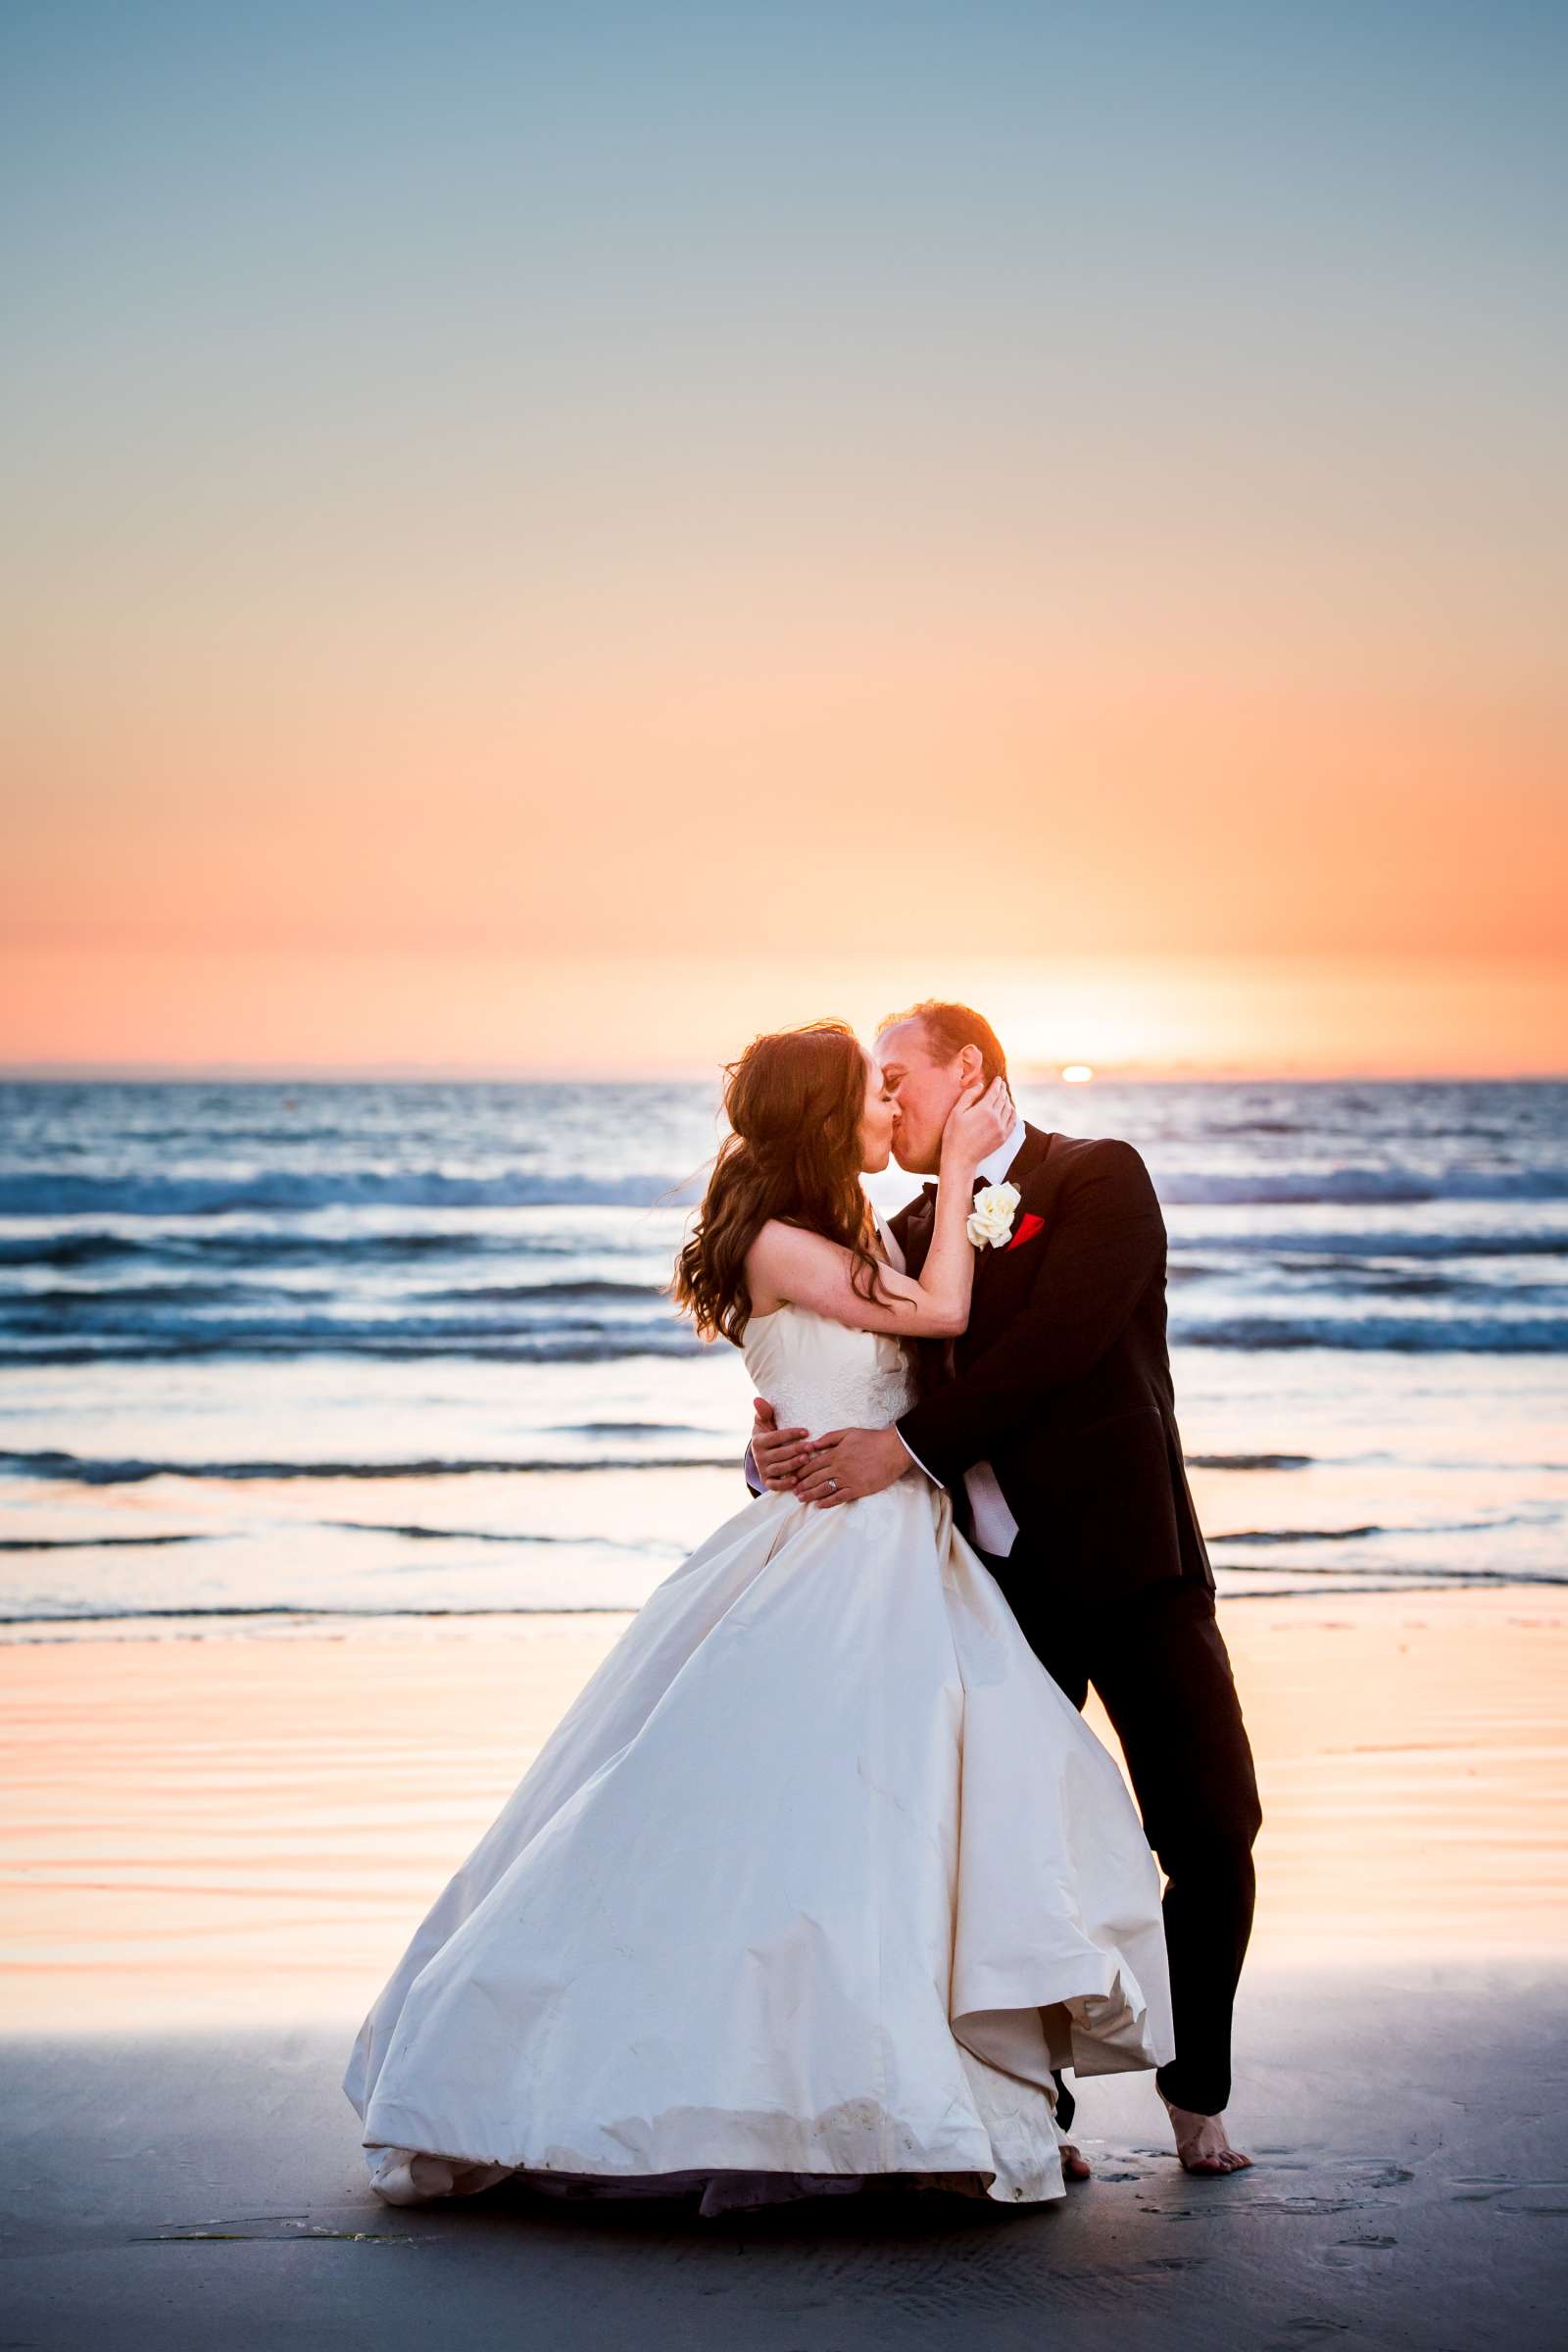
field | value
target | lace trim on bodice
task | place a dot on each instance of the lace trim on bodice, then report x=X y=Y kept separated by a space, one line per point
x=821 y=1375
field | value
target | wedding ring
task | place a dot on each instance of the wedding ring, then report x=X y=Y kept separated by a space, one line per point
x=832 y=1486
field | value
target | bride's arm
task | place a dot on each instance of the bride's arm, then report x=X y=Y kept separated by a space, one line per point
x=786 y=1266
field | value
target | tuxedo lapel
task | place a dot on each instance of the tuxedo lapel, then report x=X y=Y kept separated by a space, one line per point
x=1031 y=1155
x=919 y=1217
x=915 y=1238
x=1088 y=1455
x=1027 y=1162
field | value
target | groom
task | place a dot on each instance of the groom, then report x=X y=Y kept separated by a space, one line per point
x=1051 y=1419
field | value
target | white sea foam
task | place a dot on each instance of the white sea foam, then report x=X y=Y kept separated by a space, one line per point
x=356 y=1346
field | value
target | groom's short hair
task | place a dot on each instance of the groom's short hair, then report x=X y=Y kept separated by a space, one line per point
x=949 y=1028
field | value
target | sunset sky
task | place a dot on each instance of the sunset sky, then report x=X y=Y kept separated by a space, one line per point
x=550 y=538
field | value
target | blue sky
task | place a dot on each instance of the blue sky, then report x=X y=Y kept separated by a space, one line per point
x=438 y=438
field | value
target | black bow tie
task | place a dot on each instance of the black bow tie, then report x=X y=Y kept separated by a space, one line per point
x=980 y=1183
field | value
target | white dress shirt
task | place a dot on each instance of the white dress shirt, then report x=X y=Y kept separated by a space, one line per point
x=995 y=1530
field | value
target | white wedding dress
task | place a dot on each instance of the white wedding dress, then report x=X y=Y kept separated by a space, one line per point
x=814 y=1883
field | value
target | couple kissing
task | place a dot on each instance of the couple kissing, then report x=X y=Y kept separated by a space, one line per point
x=822 y=1884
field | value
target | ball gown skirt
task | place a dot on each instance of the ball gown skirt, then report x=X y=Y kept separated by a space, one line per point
x=812 y=1886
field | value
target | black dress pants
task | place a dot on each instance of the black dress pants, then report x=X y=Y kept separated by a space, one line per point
x=1158 y=1663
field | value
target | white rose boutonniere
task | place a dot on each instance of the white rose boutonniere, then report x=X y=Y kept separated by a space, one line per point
x=991 y=1218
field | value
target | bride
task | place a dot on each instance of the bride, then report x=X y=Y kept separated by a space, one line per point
x=822 y=1875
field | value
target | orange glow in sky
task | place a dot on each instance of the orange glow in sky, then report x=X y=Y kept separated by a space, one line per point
x=545 y=581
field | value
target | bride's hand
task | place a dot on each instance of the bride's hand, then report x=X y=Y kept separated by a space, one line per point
x=981 y=1118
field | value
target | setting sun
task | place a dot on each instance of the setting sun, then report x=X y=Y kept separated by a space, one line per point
x=570 y=567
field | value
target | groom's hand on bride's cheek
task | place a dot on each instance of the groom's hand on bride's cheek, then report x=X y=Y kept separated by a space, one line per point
x=849 y=1463
x=778 y=1453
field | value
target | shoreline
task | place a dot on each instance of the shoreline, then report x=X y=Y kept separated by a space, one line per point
x=218 y=1846
x=337 y=1625
x=243 y=1823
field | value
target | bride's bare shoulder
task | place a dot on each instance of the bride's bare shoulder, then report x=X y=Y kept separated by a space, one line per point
x=780 y=1256
x=789 y=1266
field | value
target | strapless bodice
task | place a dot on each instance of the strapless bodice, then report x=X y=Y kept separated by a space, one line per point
x=821 y=1375
x=816 y=1883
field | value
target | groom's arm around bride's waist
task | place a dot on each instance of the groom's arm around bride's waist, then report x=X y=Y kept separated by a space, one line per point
x=1103 y=1245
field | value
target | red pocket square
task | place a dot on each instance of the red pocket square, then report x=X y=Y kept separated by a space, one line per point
x=1028 y=1228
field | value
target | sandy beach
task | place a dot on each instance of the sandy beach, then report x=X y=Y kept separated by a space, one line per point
x=215 y=1845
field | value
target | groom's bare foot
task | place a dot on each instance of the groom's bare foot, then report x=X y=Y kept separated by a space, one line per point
x=1202 y=2142
x=1074 y=2164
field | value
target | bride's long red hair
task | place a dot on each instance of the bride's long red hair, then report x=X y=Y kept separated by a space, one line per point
x=795 y=1102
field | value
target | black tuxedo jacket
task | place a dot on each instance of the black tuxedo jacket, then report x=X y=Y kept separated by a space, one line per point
x=1063 y=1381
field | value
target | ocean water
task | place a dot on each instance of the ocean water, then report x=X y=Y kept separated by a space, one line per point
x=370 y=1350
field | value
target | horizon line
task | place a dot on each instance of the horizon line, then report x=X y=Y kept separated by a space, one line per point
x=47 y=1072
